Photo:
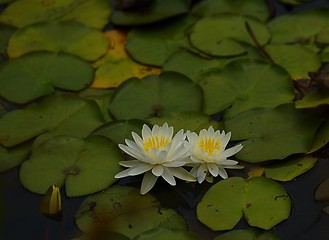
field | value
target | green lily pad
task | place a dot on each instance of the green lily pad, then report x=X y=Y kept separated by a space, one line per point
x=322 y=191
x=93 y=13
x=313 y=99
x=325 y=55
x=150 y=96
x=121 y=208
x=252 y=8
x=69 y=36
x=321 y=137
x=5 y=1
x=182 y=120
x=120 y=130
x=154 y=11
x=57 y=114
x=247 y=234
x=12 y=157
x=86 y=166
x=38 y=74
x=273 y=133
x=221 y=35
x=263 y=202
x=306 y=25
x=290 y=169
x=294 y=2
x=292 y=58
x=152 y=45
x=5 y=33
x=102 y=235
x=246 y=84
x=165 y=234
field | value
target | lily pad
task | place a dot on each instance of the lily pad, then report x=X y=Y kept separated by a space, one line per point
x=86 y=166
x=305 y=25
x=165 y=234
x=57 y=114
x=121 y=208
x=38 y=74
x=292 y=58
x=273 y=133
x=325 y=55
x=5 y=33
x=152 y=95
x=313 y=99
x=322 y=191
x=247 y=234
x=290 y=169
x=252 y=8
x=117 y=66
x=221 y=35
x=39 y=11
x=152 y=45
x=264 y=203
x=120 y=130
x=12 y=157
x=246 y=84
x=192 y=121
x=69 y=36
x=153 y=11
x=321 y=137
x=102 y=235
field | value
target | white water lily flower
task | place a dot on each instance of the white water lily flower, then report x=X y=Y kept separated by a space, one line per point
x=157 y=154
x=208 y=154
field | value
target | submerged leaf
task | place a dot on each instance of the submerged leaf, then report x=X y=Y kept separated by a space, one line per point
x=86 y=166
x=263 y=202
x=322 y=191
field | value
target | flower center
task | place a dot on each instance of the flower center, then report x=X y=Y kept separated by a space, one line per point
x=155 y=142
x=209 y=145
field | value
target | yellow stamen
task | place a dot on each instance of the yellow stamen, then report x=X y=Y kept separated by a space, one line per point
x=155 y=142
x=209 y=145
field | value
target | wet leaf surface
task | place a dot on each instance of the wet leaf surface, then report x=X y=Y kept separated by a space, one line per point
x=247 y=234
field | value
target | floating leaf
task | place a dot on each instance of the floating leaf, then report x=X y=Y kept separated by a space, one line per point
x=321 y=137
x=294 y=2
x=5 y=33
x=263 y=202
x=93 y=13
x=322 y=191
x=246 y=84
x=253 y=8
x=165 y=234
x=117 y=66
x=152 y=45
x=305 y=26
x=273 y=133
x=292 y=58
x=123 y=210
x=154 y=11
x=120 y=130
x=313 y=99
x=69 y=36
x=325 y=55
x=86 y=166
x=102 y=235
x=12 y=157
x=57 y=114
x=247 y=234
x=51 y=203
x=183 y=120
x=290 y=169
x=221 y=35
x=38 y=74
x=150 y=96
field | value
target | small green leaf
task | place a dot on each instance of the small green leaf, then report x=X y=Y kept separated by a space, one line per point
x=321 y=137
x=221 y=35
x=152 y=95
x=38 y=74
x=165 y=234
x=263 y=202
x=290 y=169
x=69 y=36
x=86 y=166
x=151 y=12
x=313 y=99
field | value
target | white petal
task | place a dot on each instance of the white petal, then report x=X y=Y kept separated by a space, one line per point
x=213 y=169
x=222 y=173
x=181 y=173
x=132 y=145
x=132 y=152
x=234 y=167
x=141 y=169
x=225 y=139
x=196 y=160
x=155 y=130
x=161 y=156
x=157 y=170
x=202 y=172
x=211 y=130
x=131 y=163
x=178 y=139
x=146 y=132
x=194 y=171
x=122 y=174
x=231 y=151
x=137 y=139
x=168 y=176
x=148 y=182
x=227 y=162
x=177 y=162
x=192 y=137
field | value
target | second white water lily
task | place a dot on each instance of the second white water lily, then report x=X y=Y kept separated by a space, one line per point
x=157 y=153
x=209 y=156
